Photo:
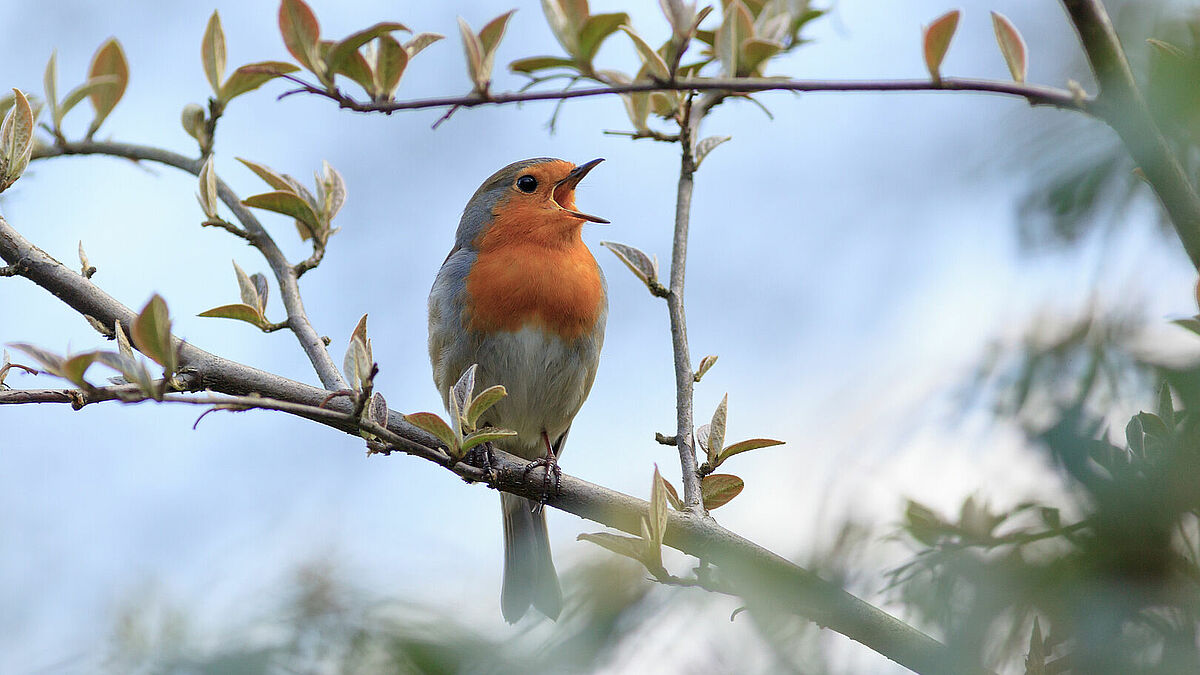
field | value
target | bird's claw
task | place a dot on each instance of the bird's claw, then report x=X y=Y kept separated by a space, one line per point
x=550 y=464
x=481 y=457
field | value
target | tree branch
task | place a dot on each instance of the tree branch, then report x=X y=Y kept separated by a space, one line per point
x=761 y=577
x=1034 y=94
x=684 y=378
x=285 y=274
x=1120 y=103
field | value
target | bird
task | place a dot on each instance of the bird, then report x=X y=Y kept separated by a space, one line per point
x=521 y=296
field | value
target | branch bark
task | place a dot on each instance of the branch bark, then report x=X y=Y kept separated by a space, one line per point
x=1034 y=94
x=760 y=576
x=1121 y=104
x=684 y=378
x=286 y=275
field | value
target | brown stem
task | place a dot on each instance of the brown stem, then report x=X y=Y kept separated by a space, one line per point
x=1034 y=94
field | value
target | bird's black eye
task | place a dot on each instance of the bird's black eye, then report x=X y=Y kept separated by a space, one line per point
x=527 y=183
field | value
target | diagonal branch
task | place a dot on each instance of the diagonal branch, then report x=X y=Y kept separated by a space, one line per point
x=760 y=576
x=1121 y=104
x=286 y=275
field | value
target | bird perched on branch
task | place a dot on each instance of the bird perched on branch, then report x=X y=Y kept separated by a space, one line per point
x=521 y=296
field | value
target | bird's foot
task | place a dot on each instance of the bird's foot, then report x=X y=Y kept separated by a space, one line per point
x=481 y=457
x=553 y=474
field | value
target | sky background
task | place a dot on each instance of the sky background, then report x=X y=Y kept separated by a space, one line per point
x=850 y=261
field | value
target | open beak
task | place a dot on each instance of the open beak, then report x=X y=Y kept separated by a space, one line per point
x=566 y=185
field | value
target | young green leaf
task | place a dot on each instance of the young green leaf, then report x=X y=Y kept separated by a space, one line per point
x=240 y=312
x=432 y=424
x=272 y=177
x=332 y=189
x=755 y=53
x=263 y=290
x=355 y=365
x=485 y=435
x=464 y=389
x=49 y=361
x=535 y=63
x=85 y=267
x=74 y=368
x=716 y=431
x=390 y=61
x=109 y=60
x=630 y=547
x=595 y=31
x=152 y=333
x=707 y=145
x=672 y=496
x=341 y=51
x=16 y=140
x=485 y=400
x=473 y=50
x=289 y=204
x=79 y=93
x=252 y=76
x=123 y=344
x=705 y=364
x=655 y=66
x=737 y=26
x=1012 y=46
x=936 y=41
x=191 y=118
x=745 y=446
x=377 y=410
x=246 y=287
x=420 y=42
x=50 y=84
x=718 y=489
x=658 y=509
x=212 y=52
x=638 y=262
x=301 y=33
x=208 y=190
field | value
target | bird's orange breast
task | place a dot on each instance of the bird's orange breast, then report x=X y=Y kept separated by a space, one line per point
x=534 y=268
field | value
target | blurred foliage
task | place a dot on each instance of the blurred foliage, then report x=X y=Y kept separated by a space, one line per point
x=1107 y=578
x=326 y=625
x=1083 y=178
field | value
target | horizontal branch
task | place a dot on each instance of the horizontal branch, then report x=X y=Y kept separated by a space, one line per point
x=1034 y=94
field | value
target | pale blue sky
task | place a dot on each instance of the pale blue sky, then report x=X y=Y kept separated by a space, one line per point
x=849 y=259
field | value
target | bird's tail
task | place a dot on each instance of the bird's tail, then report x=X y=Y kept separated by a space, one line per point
x=529 y=576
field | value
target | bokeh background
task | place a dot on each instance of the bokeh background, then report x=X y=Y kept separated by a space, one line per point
x=855 y=261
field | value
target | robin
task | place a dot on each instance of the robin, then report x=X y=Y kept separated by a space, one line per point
x=521 y=296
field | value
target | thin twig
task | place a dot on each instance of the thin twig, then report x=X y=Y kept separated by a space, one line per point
x=684 y=379
x=285 y=274
x=1034 y=94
